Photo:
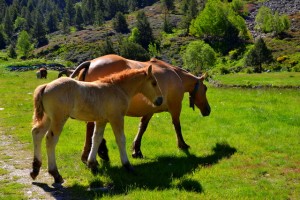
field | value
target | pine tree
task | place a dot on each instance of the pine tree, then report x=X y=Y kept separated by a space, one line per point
x=78 y=18
x=12 y=51
x=120 y=24
x=39 y=31
x=8 y=25
x=23 y=43
x=258 y=55
x=145 y=36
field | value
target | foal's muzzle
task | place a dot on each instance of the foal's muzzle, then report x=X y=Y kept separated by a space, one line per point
x=158 y=101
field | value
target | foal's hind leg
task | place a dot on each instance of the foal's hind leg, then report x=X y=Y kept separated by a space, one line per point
x=51 y=141
x=38 y=132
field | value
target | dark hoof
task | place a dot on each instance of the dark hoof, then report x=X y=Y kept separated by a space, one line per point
x=137 y=154
x=129 y=168
x=183 y=146
x=93 y=166
x=59 y=180
x=103 y=151
x=84 y=158
x=33 y=175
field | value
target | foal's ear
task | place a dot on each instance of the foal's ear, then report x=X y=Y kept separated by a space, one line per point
x=149 y=70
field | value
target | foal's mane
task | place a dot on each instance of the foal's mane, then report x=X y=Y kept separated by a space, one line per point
x=120 y=76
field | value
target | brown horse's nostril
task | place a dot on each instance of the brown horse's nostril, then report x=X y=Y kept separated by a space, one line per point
x=158 y=101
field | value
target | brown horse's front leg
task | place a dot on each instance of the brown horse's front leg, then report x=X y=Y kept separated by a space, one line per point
x=180 y=141
x=136 y=146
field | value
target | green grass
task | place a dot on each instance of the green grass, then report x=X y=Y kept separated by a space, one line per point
x=280 y=79
x=248 y=148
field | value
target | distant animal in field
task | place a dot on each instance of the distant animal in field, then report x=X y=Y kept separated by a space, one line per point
x=102 y=101
x=173 y=81
x=42 y=73
x=66 y=72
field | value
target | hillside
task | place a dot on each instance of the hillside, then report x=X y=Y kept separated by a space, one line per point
x=85 y=44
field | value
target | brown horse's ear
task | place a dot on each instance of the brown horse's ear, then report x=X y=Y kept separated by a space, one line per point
x=149 y=70
x=203 y=76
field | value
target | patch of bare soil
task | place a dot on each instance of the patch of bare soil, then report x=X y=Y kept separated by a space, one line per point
x=17 y=162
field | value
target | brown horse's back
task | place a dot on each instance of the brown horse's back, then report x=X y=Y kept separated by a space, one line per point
x=169 y=82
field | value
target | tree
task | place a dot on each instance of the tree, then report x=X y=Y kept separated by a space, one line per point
x=189 y=9
x=52 y=22
x=133 y=51
x=220 y=26
x=24 y=43
x=145 y=37
x=65 y=24
x=7 y=24
x=2 y=40
x=120 y=24
x=11 y=51
x=199 y=56
x=266 y=21
x=258 y=55
x=78 y=17
x=107 y=47
x=39 y=31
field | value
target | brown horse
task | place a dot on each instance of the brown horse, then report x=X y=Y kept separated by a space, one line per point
x=101 y=102
x=174 y=82
x=42 y=73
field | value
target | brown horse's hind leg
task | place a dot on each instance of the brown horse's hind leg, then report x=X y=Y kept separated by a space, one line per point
x=88 y=141
x=136 y=146
x=102 y=151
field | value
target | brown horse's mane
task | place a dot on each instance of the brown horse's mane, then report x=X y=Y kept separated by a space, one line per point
x=119 y=77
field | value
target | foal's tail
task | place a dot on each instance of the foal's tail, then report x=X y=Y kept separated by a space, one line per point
x=38 y=112
x=85 y=65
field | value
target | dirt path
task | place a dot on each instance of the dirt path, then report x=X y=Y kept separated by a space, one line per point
x=17 y=162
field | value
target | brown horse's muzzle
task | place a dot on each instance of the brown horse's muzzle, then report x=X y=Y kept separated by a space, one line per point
x=158 y=101
x=206 y=112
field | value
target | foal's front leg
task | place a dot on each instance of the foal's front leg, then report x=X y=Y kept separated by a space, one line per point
x=118 y=128
x=96 y=140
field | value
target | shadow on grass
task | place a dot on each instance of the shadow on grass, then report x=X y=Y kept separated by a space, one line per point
x=166 y=172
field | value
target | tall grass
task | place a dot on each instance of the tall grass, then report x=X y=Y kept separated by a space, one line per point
x=248 y=148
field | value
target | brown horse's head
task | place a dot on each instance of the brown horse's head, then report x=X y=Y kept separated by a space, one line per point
x=198 y=96
x=151 y=89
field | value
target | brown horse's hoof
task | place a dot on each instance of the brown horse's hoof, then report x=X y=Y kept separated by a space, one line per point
x=137 y=154
x=84 y=158
x=129 y=168
x=183 y=146
x=103 y=151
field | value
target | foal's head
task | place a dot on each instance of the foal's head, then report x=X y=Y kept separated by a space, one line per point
x=151 y=89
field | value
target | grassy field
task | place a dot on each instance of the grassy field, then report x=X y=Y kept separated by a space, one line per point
x=248 y=148
x=274 y=79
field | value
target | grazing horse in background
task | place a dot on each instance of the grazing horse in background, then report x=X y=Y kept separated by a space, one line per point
x=174 y=82
x=66 y=72
x=103 y=101
x=42 y=73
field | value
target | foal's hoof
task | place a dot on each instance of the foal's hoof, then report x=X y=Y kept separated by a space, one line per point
x=183 y=146
x=93 y=166
x=129 y=168
x=137 y=154
x=59 y=180
x=33 y=175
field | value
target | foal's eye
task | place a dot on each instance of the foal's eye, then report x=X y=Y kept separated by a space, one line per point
x=154 y=84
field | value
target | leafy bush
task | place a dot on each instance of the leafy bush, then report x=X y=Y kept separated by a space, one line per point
x=199 y=56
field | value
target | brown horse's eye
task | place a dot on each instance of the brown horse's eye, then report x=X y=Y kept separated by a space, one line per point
x=154 y=84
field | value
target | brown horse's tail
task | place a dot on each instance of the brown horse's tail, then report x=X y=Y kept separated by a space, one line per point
x=85 y=65
x=38 y=112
